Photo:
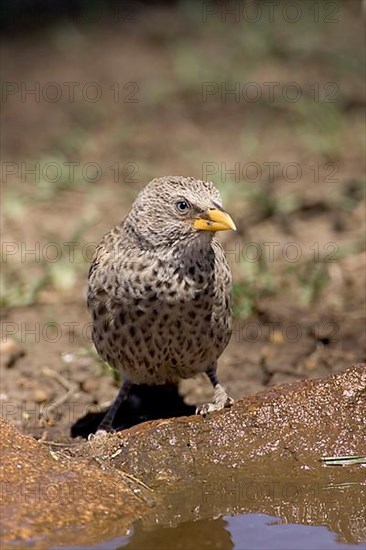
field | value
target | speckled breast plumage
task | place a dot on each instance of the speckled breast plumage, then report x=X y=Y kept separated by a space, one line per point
x=159 y=316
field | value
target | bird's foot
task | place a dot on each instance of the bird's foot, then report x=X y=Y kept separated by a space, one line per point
x=100 y=433
x=221 y=401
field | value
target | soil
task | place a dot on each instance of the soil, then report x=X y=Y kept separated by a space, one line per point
x=53 y=385
x=266 y=455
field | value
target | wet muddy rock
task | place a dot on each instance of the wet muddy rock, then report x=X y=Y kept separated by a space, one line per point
x=294 y=424
x=160 y=470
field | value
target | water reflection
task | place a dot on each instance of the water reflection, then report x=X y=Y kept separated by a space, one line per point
x=335 y=499
x=204 y=534
x=242 y=532
x=323 y=510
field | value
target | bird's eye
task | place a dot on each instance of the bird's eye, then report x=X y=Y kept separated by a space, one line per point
x=182 y=206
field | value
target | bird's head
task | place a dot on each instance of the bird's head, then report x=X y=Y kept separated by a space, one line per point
x=178 y=209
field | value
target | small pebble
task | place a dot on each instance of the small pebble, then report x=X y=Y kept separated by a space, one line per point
x=40 y=396
x=10 y=352
x=91 y=385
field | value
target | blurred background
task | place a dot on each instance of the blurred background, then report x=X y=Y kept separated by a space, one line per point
x=265 y=99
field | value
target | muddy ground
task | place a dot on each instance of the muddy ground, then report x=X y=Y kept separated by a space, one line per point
x=296 y=192
x=267 y=455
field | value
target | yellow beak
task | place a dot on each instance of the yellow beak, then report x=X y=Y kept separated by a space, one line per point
x=214 y=220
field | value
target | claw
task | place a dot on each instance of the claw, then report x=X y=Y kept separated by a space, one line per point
x=99 y=434
x=221 y=401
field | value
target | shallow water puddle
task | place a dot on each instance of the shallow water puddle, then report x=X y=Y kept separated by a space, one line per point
x=242 y=532
x=236 y=512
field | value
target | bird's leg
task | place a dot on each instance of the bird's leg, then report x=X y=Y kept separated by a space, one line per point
x=221 y=399
x=106 y=424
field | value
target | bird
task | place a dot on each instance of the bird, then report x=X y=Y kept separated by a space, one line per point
x=159 y=290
